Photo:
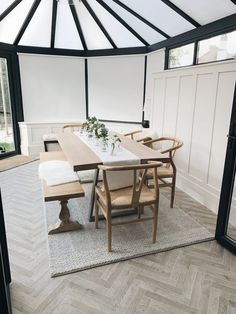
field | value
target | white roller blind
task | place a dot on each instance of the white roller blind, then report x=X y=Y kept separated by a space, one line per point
x=116 y=88
x=53 y=88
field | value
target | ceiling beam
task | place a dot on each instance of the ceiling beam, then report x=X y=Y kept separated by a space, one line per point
x=181 y=13
x=27 y=21
x=9 y=9
x=81 y=53
x=78 y=26
x=124 y=6
x=224 y=25
x=118 y=18
x=53 y=26
x=96 y=19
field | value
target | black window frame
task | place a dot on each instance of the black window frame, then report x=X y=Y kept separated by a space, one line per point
x=15 y=96
x=195 y=55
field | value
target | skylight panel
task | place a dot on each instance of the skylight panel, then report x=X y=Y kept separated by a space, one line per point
x=94 y=37
x=162 y=16
x=148 y=33
x=119 y=33
x=11 y=24
x=66 y=35
x=38 y=32
x=4 y=4
x=206 y=11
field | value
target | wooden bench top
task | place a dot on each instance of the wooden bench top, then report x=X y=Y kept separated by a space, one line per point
x=63 y=191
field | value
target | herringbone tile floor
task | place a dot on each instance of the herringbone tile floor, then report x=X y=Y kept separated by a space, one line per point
x=196 y=279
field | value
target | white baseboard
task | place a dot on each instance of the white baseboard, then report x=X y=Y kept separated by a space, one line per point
x=200 y=192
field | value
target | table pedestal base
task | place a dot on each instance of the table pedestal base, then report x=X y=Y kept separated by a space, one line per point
x=65 y=223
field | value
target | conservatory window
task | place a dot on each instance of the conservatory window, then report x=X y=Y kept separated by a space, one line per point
x=217 y=48
x=181 y=56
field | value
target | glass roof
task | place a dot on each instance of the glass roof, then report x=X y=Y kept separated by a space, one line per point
x=90 y=25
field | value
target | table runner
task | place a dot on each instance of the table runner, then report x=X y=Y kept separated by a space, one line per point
x=121 y=156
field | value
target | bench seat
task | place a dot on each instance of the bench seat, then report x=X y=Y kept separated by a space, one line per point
x=61 y=193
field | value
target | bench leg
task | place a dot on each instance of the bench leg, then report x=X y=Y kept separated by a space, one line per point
x=65 y=223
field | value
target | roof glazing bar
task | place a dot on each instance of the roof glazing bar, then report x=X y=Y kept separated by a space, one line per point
x=54 y=19
x=27 y=21
x=124 y=6
x=116 y=16
x=96 y=19
x=9 y=9
x=182 y=13
x=78 y=26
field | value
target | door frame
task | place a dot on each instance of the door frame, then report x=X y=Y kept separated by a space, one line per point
x=227 y=186
x=15 y=97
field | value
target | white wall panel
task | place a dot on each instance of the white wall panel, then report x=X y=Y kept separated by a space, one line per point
x=199 y=99
x=202 y=127
x=116 y=88
x=158 y=110
x=221 y=127
x=53 y=88
x=187 y=92
x=171 y=105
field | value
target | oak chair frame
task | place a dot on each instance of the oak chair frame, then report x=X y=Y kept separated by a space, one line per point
x=176 y=144
x=139 y=172
x=141 y=140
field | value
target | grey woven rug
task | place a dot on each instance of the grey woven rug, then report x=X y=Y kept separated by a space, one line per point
x=87 y=248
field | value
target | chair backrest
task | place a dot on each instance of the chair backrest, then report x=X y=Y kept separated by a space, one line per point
x=71 y=127
x=142 y=135
x=138 y=174
x=165 y=144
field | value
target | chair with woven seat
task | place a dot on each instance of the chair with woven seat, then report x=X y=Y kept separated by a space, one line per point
x=168 y=170
x=131 y=195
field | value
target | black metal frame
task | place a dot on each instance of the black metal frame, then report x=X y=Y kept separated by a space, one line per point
x=5 y=274
x=15 y=97
x=196 y=46
x=227 y=186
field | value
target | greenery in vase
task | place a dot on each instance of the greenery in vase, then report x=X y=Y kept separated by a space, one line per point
x=115 y=140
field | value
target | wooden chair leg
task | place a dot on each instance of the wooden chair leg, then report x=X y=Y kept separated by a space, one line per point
x=96 y=211
x=154 y=225
x=172 y=192
x=108 y=225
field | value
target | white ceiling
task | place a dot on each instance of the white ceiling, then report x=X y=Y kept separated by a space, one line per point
x=153 y=22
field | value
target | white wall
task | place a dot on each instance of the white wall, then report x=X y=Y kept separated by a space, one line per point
x=194 y=104
x=53 y=88
x=155 y=63
x=116 y=88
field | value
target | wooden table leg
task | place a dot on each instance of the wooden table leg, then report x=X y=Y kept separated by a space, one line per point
x=65 y=223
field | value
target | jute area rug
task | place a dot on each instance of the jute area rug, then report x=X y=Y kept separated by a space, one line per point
x=16 y=161
x=86 y=248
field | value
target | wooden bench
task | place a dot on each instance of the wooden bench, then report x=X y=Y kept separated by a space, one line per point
x=61 y=193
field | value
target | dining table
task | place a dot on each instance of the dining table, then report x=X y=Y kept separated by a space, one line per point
x=83 y=156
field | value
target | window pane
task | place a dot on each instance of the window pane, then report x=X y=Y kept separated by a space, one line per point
x=181 y=56
x=6 y=125
x=217 y=48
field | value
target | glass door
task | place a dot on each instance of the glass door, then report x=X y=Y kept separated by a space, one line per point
x=226 y=221
x=7 y=141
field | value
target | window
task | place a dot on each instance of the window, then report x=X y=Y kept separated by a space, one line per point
x=7 y=143
x=181 y=56
x=217 y=48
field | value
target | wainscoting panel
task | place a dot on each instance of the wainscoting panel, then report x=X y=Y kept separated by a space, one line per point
x=221 y=127
x=187 y=93
x=171 y=105
x=202 y=126
x=157 y=112
x=194 y=104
